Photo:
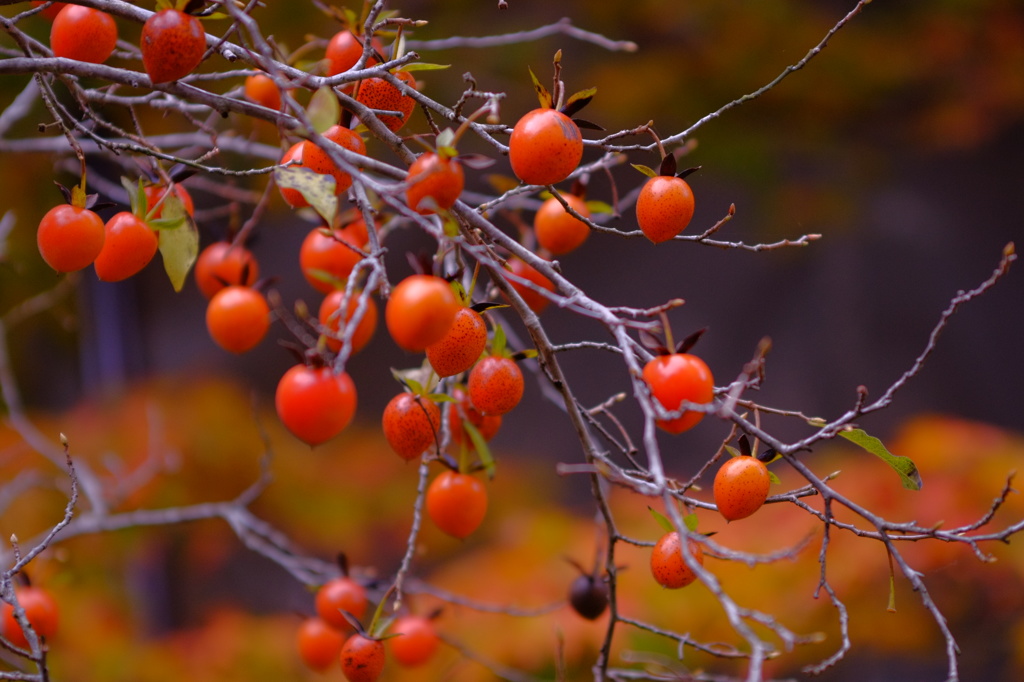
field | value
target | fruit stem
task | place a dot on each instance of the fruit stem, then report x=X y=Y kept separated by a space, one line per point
x=558 y=87
x=667 y=328
x=657 y=139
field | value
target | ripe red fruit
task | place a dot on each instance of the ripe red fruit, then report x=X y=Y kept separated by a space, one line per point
x=495 y=385
x=84 y=34
x=40 y=609
x=69 y=237
x=546 y=147
x=318 y=161
x=487 y=424
x=676 y=378
x=261 y=89
x=461 y=346
x=238 y=318
x=664 y=207
x=411 y=424
x=377 y=93
x=128 y=246
x=344 y=50
x=741 y=487
x=337 y=595
x=435 y=182
x=331 y=319
x=172 y=44
x=456 y=503
x=224 y=264
x=533 y=298
x=315 y=404
x=417 y=642
x=667 y=564
x=319 y=644
x=559 y=231
x=362 y=659
x=420 y=310
x=328 y=259
x=155 y=193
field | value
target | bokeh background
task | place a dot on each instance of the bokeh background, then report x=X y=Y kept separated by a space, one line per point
x=902 y=144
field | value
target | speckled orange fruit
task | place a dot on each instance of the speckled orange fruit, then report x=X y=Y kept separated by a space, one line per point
x=545 y=147
x=172 y=45
x=664 y=207
x=495 y=385
x=741 y=487
x=377 y=93
x=435 y=182
x=456 y=503
x=331 y=319
x=362 y=659
x=487 y=424
x=559 y=231
x=667 y=565
x=410 y=424
x=318 y=161
x=461 y=346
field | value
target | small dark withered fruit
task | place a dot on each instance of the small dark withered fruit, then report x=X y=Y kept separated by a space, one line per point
x=588 y=595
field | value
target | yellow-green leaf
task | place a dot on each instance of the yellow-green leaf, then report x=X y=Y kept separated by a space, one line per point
x=317 y=189
x=904 y=466
x=178 y=241
x=323 y=110
x=543 y=96
x=425 y=66
x=646 y=170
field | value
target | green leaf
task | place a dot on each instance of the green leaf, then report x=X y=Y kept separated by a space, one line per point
x=904 y=466
x=482 y=450
x=646 y=170
x=542 y=93
x=323 y=110
x=316 y=188
x=773 y=478
x=661 y=519
x=179 y=244
x=733 y=452
x=498 y=341
x=424 y=66
x=136 y=196
x=595 y=206
x=691 y=522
